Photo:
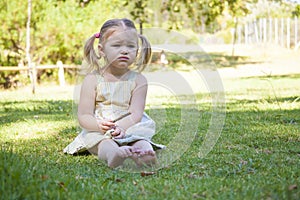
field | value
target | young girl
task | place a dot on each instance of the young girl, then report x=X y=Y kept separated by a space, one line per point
x=112 y=98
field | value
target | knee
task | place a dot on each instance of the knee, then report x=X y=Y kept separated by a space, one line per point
x=103 y=147
x=105 y=142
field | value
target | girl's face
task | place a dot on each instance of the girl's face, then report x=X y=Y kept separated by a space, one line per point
x=120 y=48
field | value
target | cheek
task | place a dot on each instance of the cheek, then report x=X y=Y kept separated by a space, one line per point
x=134 y=53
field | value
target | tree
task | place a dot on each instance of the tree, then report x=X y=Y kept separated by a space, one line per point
x=202 y=13
x=31 y=68
x=296 y=12
x=139 y=11
x=58 y=29
x=237 y=8
x=12 y=31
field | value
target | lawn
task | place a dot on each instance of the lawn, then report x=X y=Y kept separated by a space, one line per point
x=257 y=155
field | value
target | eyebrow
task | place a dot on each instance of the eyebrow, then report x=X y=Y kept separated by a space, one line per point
x=121 y=41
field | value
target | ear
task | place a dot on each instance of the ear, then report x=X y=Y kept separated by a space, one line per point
x=100 y=50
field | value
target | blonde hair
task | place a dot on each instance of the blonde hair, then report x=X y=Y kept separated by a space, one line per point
x=92 y=58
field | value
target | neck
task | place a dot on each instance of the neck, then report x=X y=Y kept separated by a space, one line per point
x=115 y=72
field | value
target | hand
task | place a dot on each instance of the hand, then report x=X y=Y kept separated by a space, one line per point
x=118 y=133
x=105 y=125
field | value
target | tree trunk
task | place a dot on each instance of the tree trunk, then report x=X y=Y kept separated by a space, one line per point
x=141 y=27
x=31 y=69
x=234 y=36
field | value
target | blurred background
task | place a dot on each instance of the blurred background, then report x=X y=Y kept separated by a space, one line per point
x=42 y=41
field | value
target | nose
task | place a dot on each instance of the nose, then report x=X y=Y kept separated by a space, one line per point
x=124 y=50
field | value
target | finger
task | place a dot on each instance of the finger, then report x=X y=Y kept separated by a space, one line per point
x=128 y=152
x=125 y=152
x=136 y=150
x=109 y=124
x=105 y=128
x=119 y=135
x=116 y=132
x=151 y=152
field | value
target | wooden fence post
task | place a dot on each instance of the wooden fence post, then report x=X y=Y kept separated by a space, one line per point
x=276 y=31
x=270 y=30
x=61 y=73
x=256 y=32
x=246 y=33
x=33 y=76
x=260 y=30
x=288 y=33
x=296 y=31
x=265 y=30
x=282 y=33
x=239 y=34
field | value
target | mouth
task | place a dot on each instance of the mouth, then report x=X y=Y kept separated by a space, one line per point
x=123 y=58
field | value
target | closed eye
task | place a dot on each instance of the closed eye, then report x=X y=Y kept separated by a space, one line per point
x=131 y=46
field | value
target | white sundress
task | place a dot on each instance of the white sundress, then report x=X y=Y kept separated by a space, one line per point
x=112 y=101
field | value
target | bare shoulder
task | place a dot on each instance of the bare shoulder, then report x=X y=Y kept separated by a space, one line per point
x=141 y=79
x=90 y=80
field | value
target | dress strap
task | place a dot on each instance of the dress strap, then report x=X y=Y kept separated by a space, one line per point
x=99 y=77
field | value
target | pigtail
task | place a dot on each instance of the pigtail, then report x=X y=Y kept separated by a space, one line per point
x=144 y=55
x=90 y=56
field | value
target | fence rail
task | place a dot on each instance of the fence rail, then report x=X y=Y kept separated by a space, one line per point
x=281 y=31
x=4 y=68
x=59 y=66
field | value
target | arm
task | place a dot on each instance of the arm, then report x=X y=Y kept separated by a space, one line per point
x=86 y=107
x=137 y=103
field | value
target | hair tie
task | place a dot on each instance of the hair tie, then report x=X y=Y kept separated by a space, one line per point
x=97 y=35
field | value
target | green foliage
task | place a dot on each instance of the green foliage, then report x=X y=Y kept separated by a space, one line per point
x=296 y=12
x=10 y=79
x=226 y=35
x=12 y=31
x=202 y=13
x=271 y=9
x=59 y=29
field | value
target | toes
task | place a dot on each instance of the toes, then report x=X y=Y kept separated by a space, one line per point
x=136 y=150
x=126 y=151
x=151 y=152
x=147 y=152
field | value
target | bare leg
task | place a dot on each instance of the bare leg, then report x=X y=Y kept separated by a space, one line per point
x=115 y=155
x=146 y=153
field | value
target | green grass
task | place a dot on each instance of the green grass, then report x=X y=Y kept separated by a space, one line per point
x=256 y=157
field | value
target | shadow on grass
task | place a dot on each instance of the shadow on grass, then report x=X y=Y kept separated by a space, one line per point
x=220 y=60
x=18 y=111
x=54 y=111
x=275 y=77
x=223 y=60
x=277 y=101
x=37 y=168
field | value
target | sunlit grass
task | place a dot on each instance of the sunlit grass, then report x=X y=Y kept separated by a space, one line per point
x=256 y=157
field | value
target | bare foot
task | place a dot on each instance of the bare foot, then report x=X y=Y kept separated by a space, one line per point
x=116 y=158
x=147 y=152
x=145 y=157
